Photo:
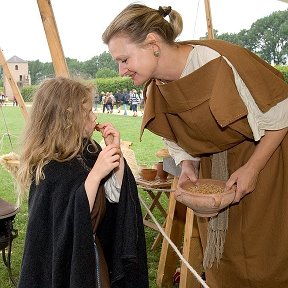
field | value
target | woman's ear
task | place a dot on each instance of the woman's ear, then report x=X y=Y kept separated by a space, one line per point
x=151 y=38
x=151 y=41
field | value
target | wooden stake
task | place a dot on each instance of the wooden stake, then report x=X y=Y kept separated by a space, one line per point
x=209 y=20
x=14 y=87
x=53 y=39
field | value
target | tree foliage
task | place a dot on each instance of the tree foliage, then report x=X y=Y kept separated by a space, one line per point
x=106 y=73
x=113 y=84
x=271 y=37
x=86 y=70
x=267 y=37
x=39 y=71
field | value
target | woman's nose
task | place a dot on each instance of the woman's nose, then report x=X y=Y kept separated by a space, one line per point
x=122 y=70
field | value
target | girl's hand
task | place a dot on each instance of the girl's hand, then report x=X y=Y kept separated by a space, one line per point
x=189 y=170
x=245 y=179
x=108 y=159
x=109 y=133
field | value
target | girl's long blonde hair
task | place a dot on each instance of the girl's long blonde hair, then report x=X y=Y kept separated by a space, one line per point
x=55 y=128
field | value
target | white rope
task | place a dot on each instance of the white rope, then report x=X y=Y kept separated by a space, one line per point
x=195 y=20
x=198 y=277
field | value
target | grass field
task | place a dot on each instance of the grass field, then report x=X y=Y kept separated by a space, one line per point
x=129 y=128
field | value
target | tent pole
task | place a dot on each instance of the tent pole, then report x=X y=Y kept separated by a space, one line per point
x=53 y=38
x=14 y=87
x=209 y=20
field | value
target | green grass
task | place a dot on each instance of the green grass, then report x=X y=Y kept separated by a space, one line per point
x=129 y=128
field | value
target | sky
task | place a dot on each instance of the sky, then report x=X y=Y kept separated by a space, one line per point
x=81 y=23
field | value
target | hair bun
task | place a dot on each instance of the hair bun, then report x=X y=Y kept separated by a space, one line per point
x=164 y=12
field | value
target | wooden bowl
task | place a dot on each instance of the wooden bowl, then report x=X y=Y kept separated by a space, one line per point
x=207 y=198
x=148 y=174
x=160 y=172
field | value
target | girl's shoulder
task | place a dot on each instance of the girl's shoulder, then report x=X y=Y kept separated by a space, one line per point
x=56 y=171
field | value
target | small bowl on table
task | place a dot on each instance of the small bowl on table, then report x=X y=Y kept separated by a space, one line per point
x=148 y=174
x=207 y=197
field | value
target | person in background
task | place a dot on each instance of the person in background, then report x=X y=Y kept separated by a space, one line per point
x=109 y=102
x=125 y=100
x=134 y=101
x=85 y=225
x=15 y=103
x=96 y=101
x=141 y=104
x=220 y=104
x=2 y=98
x=103 y=101
x=118 y=100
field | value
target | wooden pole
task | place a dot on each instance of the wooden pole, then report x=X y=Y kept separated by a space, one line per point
x=53 y=39
x=14 y=87
x=209 y=20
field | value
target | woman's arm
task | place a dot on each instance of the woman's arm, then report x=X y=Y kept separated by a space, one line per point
x=246 y=176
x=189 y=164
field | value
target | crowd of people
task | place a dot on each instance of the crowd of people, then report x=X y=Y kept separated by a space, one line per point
x=121 y=100
x=4 y=100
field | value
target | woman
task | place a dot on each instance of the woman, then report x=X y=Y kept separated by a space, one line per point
x=218 y=103
x=75 y=238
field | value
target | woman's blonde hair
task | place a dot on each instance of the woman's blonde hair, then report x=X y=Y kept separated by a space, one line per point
x=137 y=20
x=55 y=128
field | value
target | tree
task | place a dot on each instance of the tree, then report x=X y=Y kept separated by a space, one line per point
x=270 y=37
x=90 y=67
x=106 y=73
x=231 y=37
x=105 y=61
x=267 y=37
x=39 y=71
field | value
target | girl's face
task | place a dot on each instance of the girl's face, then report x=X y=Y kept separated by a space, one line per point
x=90 y=123
x=135 y=61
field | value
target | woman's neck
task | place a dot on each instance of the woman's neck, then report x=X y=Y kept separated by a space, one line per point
x=172 y=63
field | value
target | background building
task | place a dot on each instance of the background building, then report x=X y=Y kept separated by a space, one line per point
x=20 y=73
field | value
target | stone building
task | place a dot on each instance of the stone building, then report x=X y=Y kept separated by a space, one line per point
x=20 y=73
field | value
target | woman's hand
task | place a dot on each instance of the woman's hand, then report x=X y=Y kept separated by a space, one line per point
x=109 y=133
x=246 y=176
x=189 y=170
x=245 y=179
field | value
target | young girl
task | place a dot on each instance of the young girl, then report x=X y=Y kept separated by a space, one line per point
x=75 y=238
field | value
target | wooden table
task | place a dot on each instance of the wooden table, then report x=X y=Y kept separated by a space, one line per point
x=181 y=227
x=155 y=189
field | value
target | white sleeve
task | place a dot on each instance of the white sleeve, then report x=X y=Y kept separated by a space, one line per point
x=275 y=118
x=177 y=153
x=112 y=189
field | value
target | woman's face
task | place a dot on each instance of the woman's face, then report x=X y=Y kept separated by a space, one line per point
x=135 y=61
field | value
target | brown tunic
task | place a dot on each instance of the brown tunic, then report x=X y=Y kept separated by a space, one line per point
x=204 y=114
x=97 y=215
